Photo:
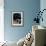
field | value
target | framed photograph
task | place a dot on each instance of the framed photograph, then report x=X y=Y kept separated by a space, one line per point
x=17 y=18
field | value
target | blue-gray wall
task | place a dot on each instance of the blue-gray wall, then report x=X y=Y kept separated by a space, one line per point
x=43 y=6
x=30 y=7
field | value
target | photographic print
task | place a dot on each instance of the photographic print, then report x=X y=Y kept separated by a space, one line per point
x=17 y=18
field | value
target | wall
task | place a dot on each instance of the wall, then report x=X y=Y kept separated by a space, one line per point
x=43 y=6
x=29 y=7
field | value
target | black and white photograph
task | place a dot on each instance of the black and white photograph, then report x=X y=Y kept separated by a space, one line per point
x=17 y=18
